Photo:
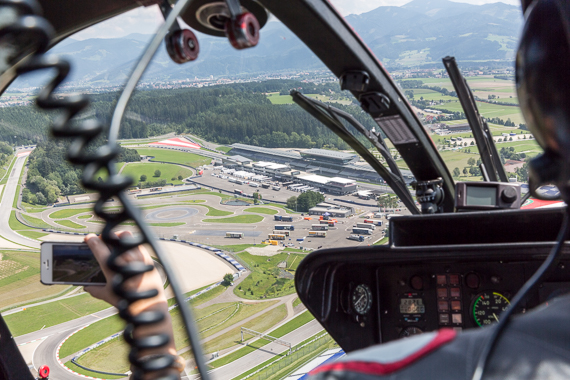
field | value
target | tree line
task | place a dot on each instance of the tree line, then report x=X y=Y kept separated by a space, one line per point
x=50 y=175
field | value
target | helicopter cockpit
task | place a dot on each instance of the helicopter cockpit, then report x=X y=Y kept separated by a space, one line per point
x=467 y=258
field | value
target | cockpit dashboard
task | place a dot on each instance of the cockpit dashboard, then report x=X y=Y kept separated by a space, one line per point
x=377 y=294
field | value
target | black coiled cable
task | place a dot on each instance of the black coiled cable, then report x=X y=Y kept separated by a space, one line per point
x=21 y=21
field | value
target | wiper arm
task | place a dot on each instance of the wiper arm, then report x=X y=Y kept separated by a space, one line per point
x=483 y=137
x=329 y=116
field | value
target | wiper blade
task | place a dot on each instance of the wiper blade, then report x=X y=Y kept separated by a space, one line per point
x=483 y=137
x=329 y=116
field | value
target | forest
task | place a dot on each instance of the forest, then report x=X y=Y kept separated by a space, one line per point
x=50 y=175
x=223 y=114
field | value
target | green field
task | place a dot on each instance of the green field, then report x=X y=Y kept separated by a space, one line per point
x=232 y=338
x=283 y=207
x=290 y=363
x=108 y=326
x=68 y=212
x=173 y=224
x=32 y=208
x=266 y=279
x=175 y=157
x=285 y=329
x=91 y=334
x=95 y=375
x=275 y=98
x=20 y=280
x=382 y=241
x=237 y=247
x=17 y=226
x=236 y=219
x=167 y=171
x=9 y=170
x=487 y=110
x=89 y=216
x=70 y=224
x=33 y=234
x=53 y=313
x=225 y=149
x=209 y=321
x=215 y=212
x=530 y=147
x=261 y=210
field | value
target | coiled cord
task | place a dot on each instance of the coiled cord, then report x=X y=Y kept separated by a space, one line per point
x=25 y=26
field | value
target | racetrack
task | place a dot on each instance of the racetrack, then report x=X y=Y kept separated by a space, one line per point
x=194 y=267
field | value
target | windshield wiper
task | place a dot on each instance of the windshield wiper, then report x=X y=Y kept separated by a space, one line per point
x=330 y=117
x=491 y=166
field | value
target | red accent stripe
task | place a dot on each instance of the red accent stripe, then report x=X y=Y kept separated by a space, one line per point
x=374 y=368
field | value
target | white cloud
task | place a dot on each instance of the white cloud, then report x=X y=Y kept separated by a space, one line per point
x=145 y=20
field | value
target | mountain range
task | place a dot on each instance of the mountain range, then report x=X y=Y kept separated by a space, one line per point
x=418 y=33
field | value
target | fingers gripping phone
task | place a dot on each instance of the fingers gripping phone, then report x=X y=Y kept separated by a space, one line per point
x=66 y=263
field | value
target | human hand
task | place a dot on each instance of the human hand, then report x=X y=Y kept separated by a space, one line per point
x=146 y=281
x=149 y=280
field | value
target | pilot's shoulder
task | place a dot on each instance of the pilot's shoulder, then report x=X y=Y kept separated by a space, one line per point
x=387 y=358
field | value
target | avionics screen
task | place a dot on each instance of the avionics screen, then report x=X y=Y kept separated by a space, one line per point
x=412 y=306
x=75 y=264
x=481 y=196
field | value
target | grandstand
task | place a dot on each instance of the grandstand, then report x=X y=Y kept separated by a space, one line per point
x=313 y=161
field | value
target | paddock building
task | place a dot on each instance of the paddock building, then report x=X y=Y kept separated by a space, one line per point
x=313 y=161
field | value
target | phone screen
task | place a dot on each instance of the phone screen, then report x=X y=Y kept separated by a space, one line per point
x=75 y=264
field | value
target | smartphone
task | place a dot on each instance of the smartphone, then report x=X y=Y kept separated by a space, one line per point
x=67 y=263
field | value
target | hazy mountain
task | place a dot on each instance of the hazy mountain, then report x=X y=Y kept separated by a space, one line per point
x=419 y=32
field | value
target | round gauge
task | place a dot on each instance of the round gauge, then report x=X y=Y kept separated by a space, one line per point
x=409 y=331
x=361 y=299
x=488 y=307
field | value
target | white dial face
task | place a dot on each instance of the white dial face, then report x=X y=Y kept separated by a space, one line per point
x=361 y=299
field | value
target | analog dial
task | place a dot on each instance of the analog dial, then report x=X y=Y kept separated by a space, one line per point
x=409 y=331
x=361 y=299
x=488 y=307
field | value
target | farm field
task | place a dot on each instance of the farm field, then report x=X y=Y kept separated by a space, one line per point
x=487 y=110
x=20 y=279
x=530 y=147
x=175 y=157
x=167 y=172
x=275 y=98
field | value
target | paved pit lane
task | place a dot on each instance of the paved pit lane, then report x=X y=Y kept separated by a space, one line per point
x=172 y=213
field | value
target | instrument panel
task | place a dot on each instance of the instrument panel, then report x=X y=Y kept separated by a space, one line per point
x=427 y=297
x=378 y=294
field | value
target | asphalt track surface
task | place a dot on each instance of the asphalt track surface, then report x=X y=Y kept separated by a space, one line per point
x=171 y=213
x=45 y=352
x=6 y=207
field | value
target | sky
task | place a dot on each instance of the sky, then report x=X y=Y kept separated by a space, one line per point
x=146 y=20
